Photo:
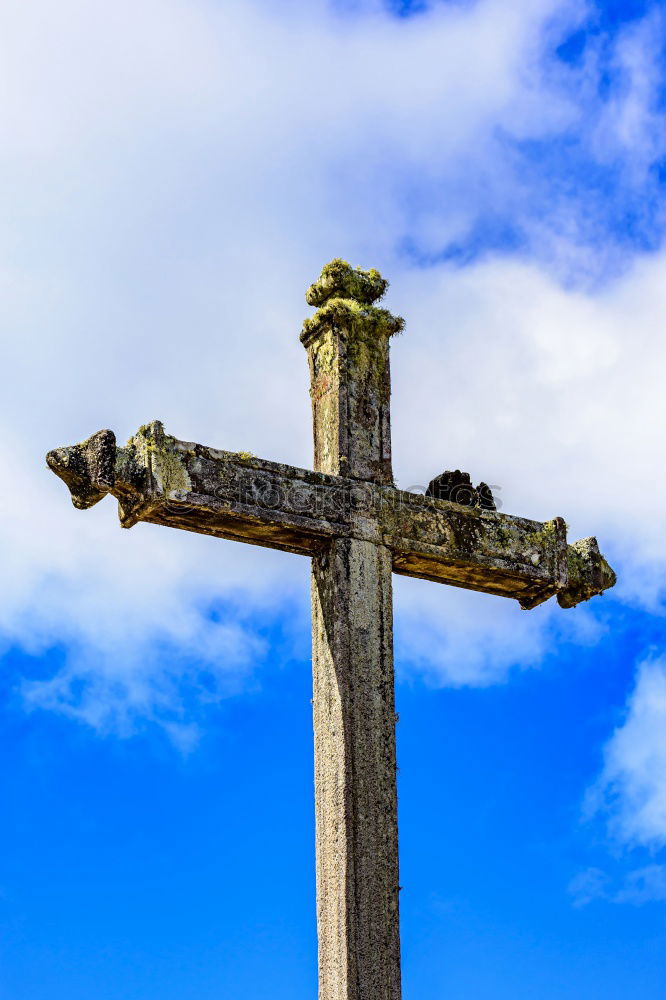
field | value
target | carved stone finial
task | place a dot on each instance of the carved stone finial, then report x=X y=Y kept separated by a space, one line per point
x=97 y=466
x=344 y=297
x=456 y=487
x=86 y=468
x=340 y=280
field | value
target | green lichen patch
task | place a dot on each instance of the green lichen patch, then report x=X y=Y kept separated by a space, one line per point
x=157 y=450
x=339 y=280
x=361 y=320
x=588 y=573
x=544 y=539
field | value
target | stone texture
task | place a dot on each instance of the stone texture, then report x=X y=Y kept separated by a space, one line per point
x=355 y=773
x=86 y=468
x=588 y=573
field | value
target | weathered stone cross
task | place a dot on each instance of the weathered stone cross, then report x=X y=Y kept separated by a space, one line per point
x=358 y=529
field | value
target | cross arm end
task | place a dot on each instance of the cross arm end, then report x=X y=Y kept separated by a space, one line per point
x=492 y=552
x=180 y=484
x=87 y=469
x=588 y=573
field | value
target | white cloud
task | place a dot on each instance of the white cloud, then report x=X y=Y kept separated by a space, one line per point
x=632 y=787
x=175 y=175
x=458 y=638
x=637 y=886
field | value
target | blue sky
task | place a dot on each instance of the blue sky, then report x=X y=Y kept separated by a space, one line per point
x=174 y=177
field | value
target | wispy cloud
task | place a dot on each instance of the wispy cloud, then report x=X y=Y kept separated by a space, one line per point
x=588 y=885
x=636 y=887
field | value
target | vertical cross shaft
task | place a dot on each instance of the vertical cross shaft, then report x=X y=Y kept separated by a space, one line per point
x=352 y=656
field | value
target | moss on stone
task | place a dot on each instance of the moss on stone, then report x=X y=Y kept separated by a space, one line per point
x=339 y=280
x=543 y=539
x=164 y=460
x=345 y=296
x=588 y=573
x=360 y=320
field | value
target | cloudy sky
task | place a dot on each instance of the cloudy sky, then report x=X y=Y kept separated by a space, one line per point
x=174 y=175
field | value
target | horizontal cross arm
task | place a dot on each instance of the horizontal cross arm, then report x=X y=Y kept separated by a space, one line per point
x=234 y=495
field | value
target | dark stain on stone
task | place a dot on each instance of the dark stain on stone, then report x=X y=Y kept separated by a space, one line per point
x=456 y=487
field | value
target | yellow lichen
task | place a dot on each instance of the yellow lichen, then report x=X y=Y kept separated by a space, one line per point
x=339 y=280
x=358 y=319
x=345 y=297
x=162 y=458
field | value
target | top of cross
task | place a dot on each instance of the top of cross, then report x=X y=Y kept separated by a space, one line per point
x=338 y=279
x=345 y=297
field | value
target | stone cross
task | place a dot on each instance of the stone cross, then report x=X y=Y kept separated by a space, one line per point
x=358 y=529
